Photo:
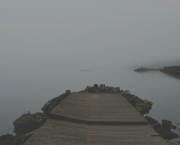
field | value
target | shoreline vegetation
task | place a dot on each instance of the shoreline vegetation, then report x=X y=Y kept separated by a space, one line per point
x=27 y=124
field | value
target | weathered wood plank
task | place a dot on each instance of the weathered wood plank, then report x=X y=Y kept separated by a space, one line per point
x=55 y=132
x=98 y=107
x=95 y=119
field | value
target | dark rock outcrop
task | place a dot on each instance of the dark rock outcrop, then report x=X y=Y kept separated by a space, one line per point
x=168 y=124
x=9 y=139
x=29 y=122
x=55 y=101
x=6 y=139
x=26 y=124
x=101 y=89
x=20 y=139
x=164 y=130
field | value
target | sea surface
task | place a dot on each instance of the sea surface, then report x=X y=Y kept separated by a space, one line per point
x=22 y=92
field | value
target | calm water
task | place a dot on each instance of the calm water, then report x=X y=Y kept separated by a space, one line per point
x=20 y=93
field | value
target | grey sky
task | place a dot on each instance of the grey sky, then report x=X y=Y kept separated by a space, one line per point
x=43 y=35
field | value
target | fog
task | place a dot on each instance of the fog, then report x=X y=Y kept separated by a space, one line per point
x=50 y=36
x=44 y=45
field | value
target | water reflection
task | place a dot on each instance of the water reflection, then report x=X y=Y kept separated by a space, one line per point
x=177 y=76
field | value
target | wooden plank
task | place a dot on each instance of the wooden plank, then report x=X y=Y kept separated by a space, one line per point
x=55 y=132
x=95 y=119
x=98 y=107
x=74 y=106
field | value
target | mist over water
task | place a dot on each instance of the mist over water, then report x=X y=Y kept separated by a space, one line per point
x=29 y=92
x=45 y=44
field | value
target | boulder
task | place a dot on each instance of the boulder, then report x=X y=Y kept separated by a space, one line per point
x=126 y=94
x=163 y=130
x=101 y=89
x=117 y=90
x=55 y=101
x=144 y=107
x=133 y=100
x=6 y=139
x=168 y=124
x=29 y=122
x=170 y=135
x=20 y=139
x=89 y=89
x=108 y=89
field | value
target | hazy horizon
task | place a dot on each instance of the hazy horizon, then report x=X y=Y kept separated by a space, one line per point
x=43 y=35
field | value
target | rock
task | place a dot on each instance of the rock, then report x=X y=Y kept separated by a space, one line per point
x=20 y=139
x=108 y=89
x=29 y=122
x=117 y=90
x=102 y=85
x=168 y=124
x=163 y=131
x=144 y=107
x=151 y=120
x=6 y=139
x=101 y=89
x=171 y=143
x=89 y=89
x=170 y=135
x=134 y=100
x=126 y=94
x=55 y=101
x=157 y=126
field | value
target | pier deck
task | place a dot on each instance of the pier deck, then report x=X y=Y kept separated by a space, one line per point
x=95 y=119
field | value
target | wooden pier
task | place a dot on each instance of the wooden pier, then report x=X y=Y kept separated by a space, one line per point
x=95 y=119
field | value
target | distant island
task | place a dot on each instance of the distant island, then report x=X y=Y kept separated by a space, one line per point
x=142 y=69
x=170 y=70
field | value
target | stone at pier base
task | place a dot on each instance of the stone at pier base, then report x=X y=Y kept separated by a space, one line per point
x=163 y=130
x=29 y=122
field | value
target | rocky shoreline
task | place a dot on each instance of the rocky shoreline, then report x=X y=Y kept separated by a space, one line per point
x=26 y=124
